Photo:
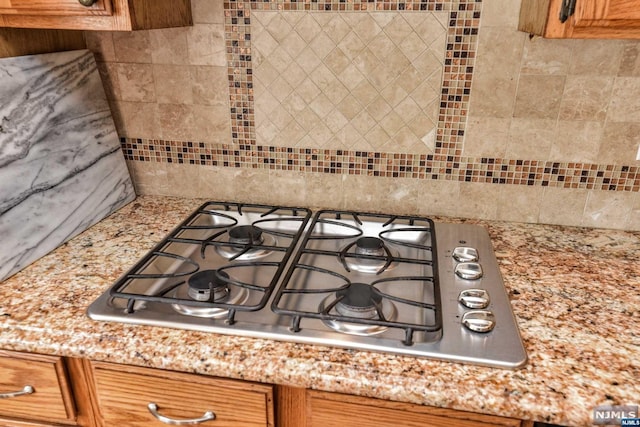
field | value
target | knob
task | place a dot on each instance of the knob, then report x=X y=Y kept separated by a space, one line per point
x=87 y=3
x=479 y=321
x=465 y=254
x=468 y=270
x=474 y=298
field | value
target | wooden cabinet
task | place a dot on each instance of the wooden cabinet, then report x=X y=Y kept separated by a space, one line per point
x=38 y=391
x=78 y=393
x=124 y=394
x=308 y=408
x=114 y=15
x=592 y=19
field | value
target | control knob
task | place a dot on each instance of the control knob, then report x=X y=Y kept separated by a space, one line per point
x=465 y=254
x=468 y=270
x=479 y=320
x=474 y=298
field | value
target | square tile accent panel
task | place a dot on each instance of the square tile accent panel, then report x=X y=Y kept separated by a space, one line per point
x=364 y=81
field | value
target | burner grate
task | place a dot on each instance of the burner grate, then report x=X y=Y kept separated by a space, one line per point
x=405 y=242
x=183 y=253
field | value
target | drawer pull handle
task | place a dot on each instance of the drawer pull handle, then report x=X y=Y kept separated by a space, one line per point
x=87 y=3
x=153 y=408
x=26 y=390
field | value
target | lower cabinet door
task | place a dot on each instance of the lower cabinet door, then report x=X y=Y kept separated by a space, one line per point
x=144 y=397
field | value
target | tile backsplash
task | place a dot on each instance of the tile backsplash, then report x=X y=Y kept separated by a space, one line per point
x=420 y=106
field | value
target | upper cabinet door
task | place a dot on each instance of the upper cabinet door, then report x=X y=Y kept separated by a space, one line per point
x=55 y=7
x=99 y=15
x=619 y=19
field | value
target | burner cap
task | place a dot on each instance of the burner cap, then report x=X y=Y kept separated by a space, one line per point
x=245 y=235
x=370 y=246
x=358 y=300
x=203 y=282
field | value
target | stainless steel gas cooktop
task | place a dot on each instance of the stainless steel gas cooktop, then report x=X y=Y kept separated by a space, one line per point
x=384 y=283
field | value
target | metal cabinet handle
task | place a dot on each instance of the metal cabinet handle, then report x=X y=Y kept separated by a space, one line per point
x=87 y=3
x=26 y=390
x=153 y=408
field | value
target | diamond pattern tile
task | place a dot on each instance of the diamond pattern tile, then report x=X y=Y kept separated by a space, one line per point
x=366 y=81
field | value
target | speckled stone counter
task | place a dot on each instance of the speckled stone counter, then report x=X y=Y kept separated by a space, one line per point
x=575 y=293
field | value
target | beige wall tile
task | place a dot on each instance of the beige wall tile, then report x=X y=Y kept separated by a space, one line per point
x=149 y=178
x=207 y=11
x=287 y=188
x=438 y=198
x=519 y=203
x=486 y=137
x=597 y=57
x=217 y=183
x=205 y=43
x=492 y=96
x=169 y=46
x=586 y=98
x=630 y=63
x=496 y=72
x=625 y=100
x=183 y=180
x=576 y=142
x=210 y=85
x=531 y=138
x=387 y=194
x=323 y=190
x=176 y=122
x=173 y=84
x=608 y=209
x=539 y=96
x=211 y=124
x=633 y=223
x=132 y=46
x=136 y=82
x=619 y=144
x=500 y=13
x=562 y=205
x=248 y=183
x=139 y=119
x=478 y=200
x=547 y=56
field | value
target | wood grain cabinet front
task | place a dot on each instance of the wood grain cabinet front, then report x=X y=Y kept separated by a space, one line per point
x=605 y=19
x=309 y=408
x=140 y=397
x=35 y=390
x=103 y=15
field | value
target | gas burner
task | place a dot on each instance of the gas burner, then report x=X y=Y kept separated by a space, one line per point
x=248 y=243
x=369 y=255
x=370 y=246
x=199 y=288
x=203 y=283
x=246 y=235
x=358 y=301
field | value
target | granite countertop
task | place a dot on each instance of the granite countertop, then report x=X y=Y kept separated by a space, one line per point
x=575 y=293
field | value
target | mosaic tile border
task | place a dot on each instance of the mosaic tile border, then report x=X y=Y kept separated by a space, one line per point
x=462 y=40
x=447 y=162
x=418 y=166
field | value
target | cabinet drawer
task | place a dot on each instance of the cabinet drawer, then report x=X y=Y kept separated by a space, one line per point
x=124 y=393
x=54 y=7
x=337 y=410
x=51 y=399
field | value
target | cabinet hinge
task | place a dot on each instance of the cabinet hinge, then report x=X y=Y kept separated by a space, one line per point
x=566 y=9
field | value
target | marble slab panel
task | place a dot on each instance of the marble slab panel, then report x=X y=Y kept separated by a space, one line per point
x=61 y=165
